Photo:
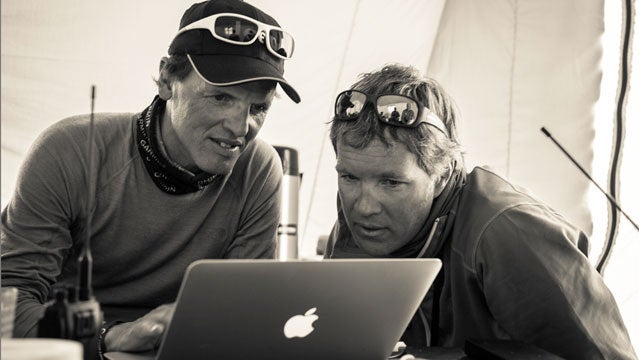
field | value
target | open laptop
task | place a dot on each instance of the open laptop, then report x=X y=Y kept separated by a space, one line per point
x=269 y=309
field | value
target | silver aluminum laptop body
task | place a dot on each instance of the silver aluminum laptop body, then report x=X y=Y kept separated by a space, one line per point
x=268 y=309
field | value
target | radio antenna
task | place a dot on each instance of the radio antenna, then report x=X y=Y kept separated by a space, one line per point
x=75 y=314
x=583 y=171
x=86 y=260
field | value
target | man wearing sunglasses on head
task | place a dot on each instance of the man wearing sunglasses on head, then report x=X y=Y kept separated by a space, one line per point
x=513 y=269
x=183 y=180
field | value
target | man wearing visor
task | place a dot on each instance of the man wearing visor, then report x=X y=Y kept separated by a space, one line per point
x=513 y=269
x=183 y=180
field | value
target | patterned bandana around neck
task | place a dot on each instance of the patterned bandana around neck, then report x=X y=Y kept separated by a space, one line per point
x=169 y=177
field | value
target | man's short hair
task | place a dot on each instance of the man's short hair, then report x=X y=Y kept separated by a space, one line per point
x=176 y=68
x=434 y=150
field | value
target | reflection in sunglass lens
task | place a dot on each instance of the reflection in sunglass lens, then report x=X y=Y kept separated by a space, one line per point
x=349 y=104
x=281 y=43
x=397 y=110
x=235 y=29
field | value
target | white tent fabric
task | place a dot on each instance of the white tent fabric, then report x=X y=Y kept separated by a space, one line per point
x=512 y=66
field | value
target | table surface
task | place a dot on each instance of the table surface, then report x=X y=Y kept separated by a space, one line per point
x=434 y=353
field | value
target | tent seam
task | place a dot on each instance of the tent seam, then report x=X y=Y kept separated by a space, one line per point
x=321 y=152
x=510 y=93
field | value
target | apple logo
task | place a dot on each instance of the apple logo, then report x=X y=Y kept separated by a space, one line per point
x=300 y=325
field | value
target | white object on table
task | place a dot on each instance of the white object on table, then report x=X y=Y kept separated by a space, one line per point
x=41 y=349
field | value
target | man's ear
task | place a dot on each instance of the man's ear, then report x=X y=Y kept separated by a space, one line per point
x=164 y=87
x=441 y=182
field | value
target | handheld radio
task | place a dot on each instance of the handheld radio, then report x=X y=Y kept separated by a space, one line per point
x=74 y=312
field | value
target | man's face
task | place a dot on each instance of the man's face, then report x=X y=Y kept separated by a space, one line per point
x=207 y=127
x=386 y=196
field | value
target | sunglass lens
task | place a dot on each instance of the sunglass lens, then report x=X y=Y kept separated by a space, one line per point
x=281 y=42
x=397 y=110
x=235 y=29
x=349 y=104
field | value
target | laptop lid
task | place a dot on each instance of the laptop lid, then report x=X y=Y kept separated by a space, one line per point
x=268 y=309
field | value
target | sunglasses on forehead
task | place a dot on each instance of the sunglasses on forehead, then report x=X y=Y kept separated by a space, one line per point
x=238 y=29
x=391 y=109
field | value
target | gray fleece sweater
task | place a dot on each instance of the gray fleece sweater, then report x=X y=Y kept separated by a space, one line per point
x=142 y=238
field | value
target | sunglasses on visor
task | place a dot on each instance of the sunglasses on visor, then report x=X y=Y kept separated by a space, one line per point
x=391 y=109
x=238 y=29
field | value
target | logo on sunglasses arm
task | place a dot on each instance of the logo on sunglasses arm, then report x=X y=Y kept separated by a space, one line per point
x=300 y=325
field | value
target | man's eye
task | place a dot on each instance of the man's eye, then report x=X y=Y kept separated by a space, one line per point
x=222 y=97
x=347 y=177
x=390 y=182
x=259 y=109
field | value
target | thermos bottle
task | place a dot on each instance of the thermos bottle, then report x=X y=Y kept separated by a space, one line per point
x=287 y=228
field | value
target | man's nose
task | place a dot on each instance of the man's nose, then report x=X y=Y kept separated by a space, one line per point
x=367 y=202
x=238 y=122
